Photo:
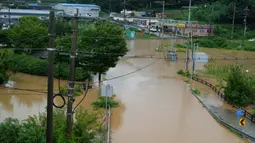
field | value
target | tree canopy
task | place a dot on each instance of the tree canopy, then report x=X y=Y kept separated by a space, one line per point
x=107 y=43
x=99 y=46
x=32 y=130
x=31 y=32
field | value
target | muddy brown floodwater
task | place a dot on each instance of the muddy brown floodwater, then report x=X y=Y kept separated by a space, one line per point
x=156 y=105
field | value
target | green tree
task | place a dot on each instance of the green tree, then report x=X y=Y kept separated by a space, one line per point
x=32 y=130
x=31 y=32
x=4 y=40
x=6 y=67
x=107 y=43
x=239 y=90
x=9 y=130
x=62 y=27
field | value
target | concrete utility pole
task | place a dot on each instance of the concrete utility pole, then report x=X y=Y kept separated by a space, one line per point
x=9 y=13
x=233 y=22
x=163 y=22
x=246 y=10
x=49 y=129
x=187 y=49
x=110 y=6
x=124 y=11
x=69 y=120
x=150 y=19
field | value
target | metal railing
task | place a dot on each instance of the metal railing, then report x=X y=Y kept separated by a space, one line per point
x=221 y=95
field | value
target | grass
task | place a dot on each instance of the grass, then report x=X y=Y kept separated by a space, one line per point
x=145 y=36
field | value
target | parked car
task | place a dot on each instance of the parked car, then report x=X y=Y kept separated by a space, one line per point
x=153 y=29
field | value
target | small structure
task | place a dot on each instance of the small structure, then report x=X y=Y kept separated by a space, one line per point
x=201 y=57
x=130 y=35
x=172 y=55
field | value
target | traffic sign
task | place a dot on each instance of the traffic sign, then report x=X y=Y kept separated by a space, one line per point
x=242 y=122
x=239 y=112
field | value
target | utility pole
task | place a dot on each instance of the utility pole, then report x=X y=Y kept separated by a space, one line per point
x=9 y=13
x=233 y=22
x=69 y=120
x=49 y=129
x=150 y=19
x=163 y=22
x=124 y=11
x=187 y=49
x=246 y=10
x=110 y=7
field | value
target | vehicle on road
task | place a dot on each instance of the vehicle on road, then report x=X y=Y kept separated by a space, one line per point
x=153 y=29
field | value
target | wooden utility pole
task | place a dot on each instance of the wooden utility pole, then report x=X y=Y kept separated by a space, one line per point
x=49 y=129
x=69 y=120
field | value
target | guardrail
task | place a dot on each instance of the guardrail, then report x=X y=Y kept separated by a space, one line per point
x=221 y=95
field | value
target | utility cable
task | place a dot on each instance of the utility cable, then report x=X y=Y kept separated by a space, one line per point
x=22 y=89
x=91 y=54
x=131 y=72
x=84 y=95
x=93 y=81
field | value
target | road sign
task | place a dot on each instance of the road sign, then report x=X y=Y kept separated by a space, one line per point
x=242 y=122
x=239 y=112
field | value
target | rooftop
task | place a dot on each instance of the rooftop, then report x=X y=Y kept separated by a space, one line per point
x=23 y=11
x=78 y=5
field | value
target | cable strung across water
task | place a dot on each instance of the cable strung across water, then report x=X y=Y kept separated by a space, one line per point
x=38 y=91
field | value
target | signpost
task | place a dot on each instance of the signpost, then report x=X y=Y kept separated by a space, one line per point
x=242 y=122
x=239 y=112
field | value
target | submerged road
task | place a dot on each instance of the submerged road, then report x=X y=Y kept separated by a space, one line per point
x=158 y=107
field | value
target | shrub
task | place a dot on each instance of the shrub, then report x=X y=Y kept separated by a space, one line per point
x=180 y=51
x=181 y=46
x=240 y=89
x=101 y=102
x=32 y=65
x=184 y=73
x=32 y=130
x=212 y=42
x=77 y=90
x=196 y=91
x=180 y=71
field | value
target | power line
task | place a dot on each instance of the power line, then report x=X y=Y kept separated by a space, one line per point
x=92 y=82
x=152 y=56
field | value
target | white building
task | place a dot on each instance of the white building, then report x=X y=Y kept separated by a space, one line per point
x=84 y=10
x=15 y=14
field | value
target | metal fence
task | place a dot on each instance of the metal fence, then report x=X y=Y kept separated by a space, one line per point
x=221 y=95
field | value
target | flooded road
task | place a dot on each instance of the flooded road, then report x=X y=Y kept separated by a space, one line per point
x=156 y=105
